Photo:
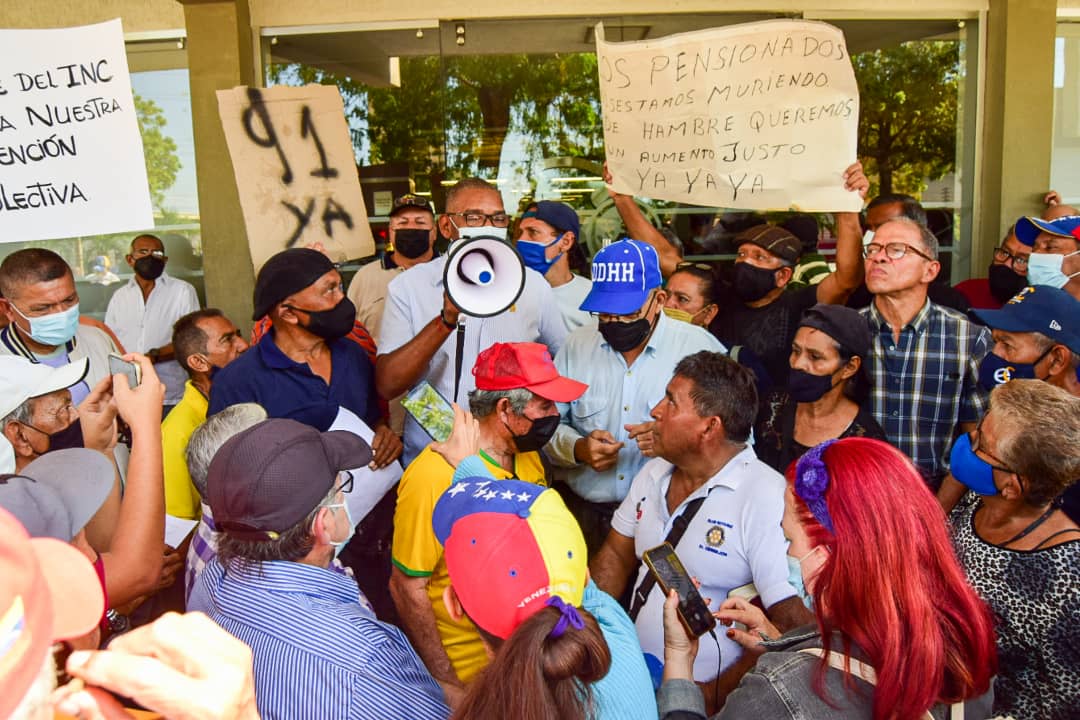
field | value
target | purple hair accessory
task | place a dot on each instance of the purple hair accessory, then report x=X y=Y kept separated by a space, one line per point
x=568 y=616
x=812 y=481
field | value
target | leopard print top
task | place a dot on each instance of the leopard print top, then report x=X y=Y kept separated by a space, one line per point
x=1035 y=598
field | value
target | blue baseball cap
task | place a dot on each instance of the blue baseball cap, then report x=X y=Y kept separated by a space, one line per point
x=1028 y=228
x=1042 y=309
x=558 y=215
x=623 y=275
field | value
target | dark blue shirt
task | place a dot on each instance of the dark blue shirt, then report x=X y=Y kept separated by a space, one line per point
x=288 y=389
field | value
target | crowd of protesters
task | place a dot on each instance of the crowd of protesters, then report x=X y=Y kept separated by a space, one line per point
x=868 y=474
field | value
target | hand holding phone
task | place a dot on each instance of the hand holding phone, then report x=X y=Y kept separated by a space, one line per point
x=670 y=574
x=431 y=410
x=132 y=371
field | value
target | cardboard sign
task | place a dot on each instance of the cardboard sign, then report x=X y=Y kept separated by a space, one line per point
x=71 y=157
x=295 y=171
x=760 y=116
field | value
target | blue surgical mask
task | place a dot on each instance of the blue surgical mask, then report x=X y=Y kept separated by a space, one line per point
x=970 y=469
x=794 y=566
x=339 y=545
x=1045 y=269
x=534 y=255
x=54 y=329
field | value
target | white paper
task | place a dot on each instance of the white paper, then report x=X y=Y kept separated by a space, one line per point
x=71 y=156
x=176 y=529
x=369 y=485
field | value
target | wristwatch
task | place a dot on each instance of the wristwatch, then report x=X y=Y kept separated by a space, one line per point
x=447 y=323
x=153 y=353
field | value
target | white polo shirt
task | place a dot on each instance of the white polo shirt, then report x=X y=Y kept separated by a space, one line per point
x=141 y=326
x=734 y=539
x=570 y=296
x=415 y=297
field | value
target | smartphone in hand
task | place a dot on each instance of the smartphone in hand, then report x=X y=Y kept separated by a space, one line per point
x=118 y=365
x=431 y=410
x=671 y=575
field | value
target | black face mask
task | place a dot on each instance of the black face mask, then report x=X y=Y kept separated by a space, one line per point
x=330 y=324
x=69 y=437
x=752 y=283
x=540 y=432
x=1004 y=283
x=412 y=242
x=149 y=267
x=625 y=336
x=805 y=388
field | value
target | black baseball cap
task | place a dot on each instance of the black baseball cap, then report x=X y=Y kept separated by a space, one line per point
x=285 y=273
x=843 y=324
x=266 y=479
x=410 y=201
x=772 y=239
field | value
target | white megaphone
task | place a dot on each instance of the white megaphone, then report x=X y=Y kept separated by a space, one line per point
x=484 y=275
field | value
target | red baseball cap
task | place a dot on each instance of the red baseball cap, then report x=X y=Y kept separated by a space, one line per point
x=509 y=366
x=50 y=592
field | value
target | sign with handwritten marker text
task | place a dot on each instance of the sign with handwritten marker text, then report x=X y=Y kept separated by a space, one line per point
x=760 y=116
x=71 y=157
x=295 y=171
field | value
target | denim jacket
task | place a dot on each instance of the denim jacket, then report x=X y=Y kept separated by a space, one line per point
x=781 y=685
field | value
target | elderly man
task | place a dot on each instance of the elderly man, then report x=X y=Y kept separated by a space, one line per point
x=203 y=342
x=712 y=499
x=517 y=387
x=547 y=234
x=1055 y=251
x=1006 y=277
x=305 y=369
x=412 y=235
x=924 y=361
x=42 y=308
x=277 y=491
x=604 y=436
x=426 y=337
x=143 y=310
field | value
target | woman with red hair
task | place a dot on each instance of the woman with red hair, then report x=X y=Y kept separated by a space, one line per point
x=900 y=634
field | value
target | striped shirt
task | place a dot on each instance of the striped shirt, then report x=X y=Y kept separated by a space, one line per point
x=926 y=384
x=318 y=654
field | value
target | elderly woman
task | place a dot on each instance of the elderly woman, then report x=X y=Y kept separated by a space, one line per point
x=690 y=294
x=1020 y=551
x=899 y=632
x=826 y=388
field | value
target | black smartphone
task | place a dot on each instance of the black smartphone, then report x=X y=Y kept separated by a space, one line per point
x=671 y=575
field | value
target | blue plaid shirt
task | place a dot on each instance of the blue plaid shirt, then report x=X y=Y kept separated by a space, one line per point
x=927 y=383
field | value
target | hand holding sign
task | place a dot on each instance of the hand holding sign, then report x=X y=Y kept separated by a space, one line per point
x=759 y=116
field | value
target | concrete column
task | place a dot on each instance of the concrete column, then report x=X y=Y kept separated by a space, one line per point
x=1018 y=112
x=220 y=56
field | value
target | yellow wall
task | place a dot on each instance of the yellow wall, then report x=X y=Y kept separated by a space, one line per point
x=137 y=15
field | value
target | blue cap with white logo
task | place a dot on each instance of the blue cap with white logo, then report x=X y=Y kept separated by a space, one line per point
x=1042 y=309
x=1028 y=228
x=623 y=275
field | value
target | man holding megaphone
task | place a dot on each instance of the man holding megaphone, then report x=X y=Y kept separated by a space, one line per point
x=440 y=315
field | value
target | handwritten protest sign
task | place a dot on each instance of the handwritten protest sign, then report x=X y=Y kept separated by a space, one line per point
x=293 y=159
x=758 y=116
x=71 y=157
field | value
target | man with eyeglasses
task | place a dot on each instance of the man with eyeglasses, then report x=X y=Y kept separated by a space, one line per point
x=420 y=339
x=42 y=309
x=605 y=436
x=142 y=312
x=306 y=369
x=925 y=358
x=1006 y=277
x=277 y=492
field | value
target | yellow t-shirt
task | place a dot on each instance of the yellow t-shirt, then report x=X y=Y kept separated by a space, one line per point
x=182 y=500
x=418 y=553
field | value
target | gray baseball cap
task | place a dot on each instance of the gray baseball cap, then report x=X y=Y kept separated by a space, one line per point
x=57 y=494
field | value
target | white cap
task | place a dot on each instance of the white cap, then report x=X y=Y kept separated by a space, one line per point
x=21 y=379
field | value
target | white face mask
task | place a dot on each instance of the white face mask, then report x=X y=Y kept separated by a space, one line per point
x=339 y=545
x=1045 y=269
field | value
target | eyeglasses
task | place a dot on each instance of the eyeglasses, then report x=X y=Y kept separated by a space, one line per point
x=1003 y=256
x=143 y=252
x=607 y=317
x=478 y=219
x=346 y=482
x=976 y=439
x=893 y=250
x=695 y=265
